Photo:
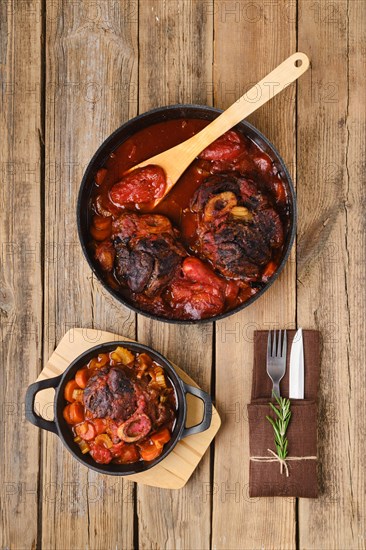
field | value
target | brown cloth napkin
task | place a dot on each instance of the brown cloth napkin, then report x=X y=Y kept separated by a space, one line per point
x=265 y=478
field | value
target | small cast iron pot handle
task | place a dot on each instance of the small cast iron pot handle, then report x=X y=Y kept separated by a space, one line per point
x=207 y=412
x=30 y=397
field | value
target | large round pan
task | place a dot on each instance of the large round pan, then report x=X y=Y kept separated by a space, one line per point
x=143 y=121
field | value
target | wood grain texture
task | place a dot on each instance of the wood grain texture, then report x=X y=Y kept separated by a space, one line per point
x=90 y=60
x=258 y=42
x=175 y=66
x=332 y=263
x=20 y=267
x=91 y=52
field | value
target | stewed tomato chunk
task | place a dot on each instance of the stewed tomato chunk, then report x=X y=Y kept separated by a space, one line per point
x=140 y=186
x=101 y=454
x=126 y=453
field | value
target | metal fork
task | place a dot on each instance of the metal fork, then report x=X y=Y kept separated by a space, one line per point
x=276 y=359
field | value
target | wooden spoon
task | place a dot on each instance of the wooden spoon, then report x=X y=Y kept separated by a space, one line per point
x=174 y=161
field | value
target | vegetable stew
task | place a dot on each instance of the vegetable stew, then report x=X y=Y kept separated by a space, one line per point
x=121 y=407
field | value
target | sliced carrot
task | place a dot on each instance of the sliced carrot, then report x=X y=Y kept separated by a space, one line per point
x=76 y=412
x=149 y=450
x=66 y=414
x=81 y=377
x=161 y=437
x=269 y=270
x=69 y=389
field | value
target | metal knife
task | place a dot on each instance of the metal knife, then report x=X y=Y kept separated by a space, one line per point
x=297 y=367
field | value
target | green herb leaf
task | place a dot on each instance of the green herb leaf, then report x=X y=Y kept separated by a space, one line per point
x=280 y=424
x=275 y=410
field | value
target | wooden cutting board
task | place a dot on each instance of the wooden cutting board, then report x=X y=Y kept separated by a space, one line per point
x=175 y=470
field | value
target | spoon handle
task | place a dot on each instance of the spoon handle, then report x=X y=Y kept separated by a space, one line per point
x=271 y=85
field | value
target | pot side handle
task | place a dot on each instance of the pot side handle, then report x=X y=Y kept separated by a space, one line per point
x=30 y=397
x=207 y=412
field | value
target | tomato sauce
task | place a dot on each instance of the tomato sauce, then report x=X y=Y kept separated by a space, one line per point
x=241 y=248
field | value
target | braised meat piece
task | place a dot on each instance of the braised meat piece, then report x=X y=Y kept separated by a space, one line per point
x=143 y=252
x=238 y=228
x=122 y=262
x=110 y=393
x=148 y=264
x=130 y=225
x=271 y=226
x=147 y=254
x=135 y=428
x=214 y=185
x=160 y=414
x=237 y=250
x=245 y=190
x=163 y=254
x=123 y=398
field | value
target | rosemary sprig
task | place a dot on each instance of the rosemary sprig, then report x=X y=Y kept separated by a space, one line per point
x=280 y=424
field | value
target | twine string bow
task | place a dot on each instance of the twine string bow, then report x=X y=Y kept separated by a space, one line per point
x=282 y=461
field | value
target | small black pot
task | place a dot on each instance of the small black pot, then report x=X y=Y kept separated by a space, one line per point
x=139 y=123
x=62 y=429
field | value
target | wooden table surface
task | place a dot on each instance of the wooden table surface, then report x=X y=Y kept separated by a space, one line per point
x=74 y=70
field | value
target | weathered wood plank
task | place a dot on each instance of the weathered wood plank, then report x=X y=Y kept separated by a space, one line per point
x=91 y=69
x=330 y=264
x=331 y=256
x=20 y=271
x=251 y=38
x=175 y=67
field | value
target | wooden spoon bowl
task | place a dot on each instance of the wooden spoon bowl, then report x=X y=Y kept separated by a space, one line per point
x=176 y=160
